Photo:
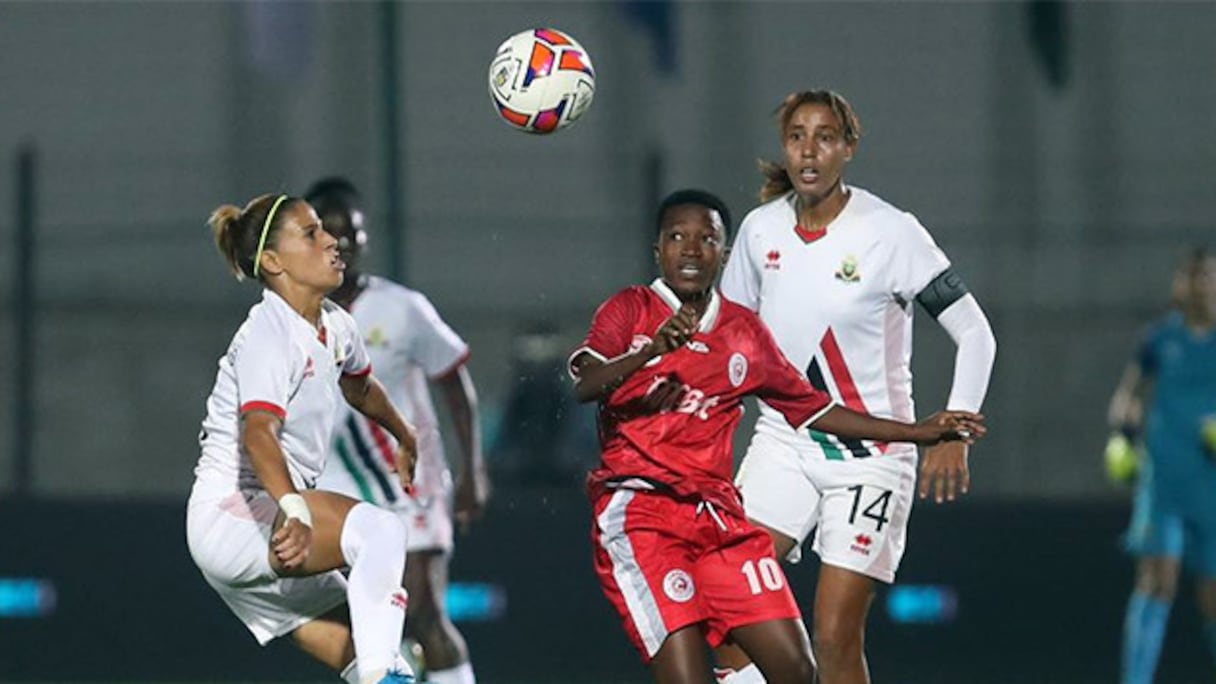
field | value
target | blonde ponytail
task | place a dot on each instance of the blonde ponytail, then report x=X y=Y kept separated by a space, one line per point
x=224 y=224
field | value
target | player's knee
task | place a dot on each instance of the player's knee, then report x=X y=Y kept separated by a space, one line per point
x=802 y=669
x=367 y=524
x=836 y=643
x=389 y=529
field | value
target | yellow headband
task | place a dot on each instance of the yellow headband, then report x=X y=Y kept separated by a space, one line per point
x=257 y=258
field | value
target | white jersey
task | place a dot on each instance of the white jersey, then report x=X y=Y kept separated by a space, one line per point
x=839 y=304
x=278 y=362
x=409 y=345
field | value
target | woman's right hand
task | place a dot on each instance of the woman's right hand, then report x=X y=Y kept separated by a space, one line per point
x=950 y=426
x=291 y=543
x=675 y=331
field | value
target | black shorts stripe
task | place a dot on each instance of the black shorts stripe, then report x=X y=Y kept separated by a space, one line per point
x=369 y=459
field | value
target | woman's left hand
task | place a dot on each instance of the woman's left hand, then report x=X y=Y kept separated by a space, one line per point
x=944 y=471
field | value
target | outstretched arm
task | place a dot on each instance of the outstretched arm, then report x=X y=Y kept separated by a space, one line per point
x=944 y=426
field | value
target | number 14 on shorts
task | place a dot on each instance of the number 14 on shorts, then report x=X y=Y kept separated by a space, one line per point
x=872 y=504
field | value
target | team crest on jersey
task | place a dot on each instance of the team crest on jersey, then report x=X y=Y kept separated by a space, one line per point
x=310 y=369
x=376 y=337
x=678 y=586
x=848 y=273
x=737 y=369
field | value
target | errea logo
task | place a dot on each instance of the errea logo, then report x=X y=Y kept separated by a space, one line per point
x=772 y=260
x=861 y=544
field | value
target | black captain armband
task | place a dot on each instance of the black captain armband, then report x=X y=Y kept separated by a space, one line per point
x=947 y=288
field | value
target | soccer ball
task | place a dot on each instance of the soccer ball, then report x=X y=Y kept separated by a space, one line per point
x=541 y=80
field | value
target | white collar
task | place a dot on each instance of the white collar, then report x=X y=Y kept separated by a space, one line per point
x=711 y=310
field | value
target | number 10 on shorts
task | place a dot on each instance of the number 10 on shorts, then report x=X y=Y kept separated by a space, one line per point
x=763 y=574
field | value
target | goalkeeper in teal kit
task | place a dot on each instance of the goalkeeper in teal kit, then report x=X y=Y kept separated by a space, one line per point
x=1174 y=519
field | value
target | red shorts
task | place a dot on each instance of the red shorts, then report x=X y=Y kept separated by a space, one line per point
x=667 y=563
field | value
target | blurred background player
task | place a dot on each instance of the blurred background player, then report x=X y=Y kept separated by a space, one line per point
x=669 y=365
x=409 y=346
x=263 y=537
x=1174 y=516
x=833 y=271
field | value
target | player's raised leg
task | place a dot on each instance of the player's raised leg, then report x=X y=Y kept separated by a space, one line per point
x=778 y=650
x=370 y=541
x=734 y=664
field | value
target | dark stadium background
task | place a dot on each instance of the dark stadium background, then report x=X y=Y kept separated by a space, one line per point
x=1060 y=153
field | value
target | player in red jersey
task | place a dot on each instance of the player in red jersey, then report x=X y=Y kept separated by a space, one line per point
x=669 y=365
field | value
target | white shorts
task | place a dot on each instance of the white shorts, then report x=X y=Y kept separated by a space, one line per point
x=229 y=539
x=427 y=515
x=860 y=506
x=428 y=522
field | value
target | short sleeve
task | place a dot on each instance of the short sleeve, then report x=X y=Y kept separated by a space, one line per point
x=263 y=365
x=357 y=362
x=431 y=343
x=916 y=260
x=783 y=387
x=612 y=328
x=741 y=278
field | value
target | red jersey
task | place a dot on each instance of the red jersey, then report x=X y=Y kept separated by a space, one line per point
x=688 y=448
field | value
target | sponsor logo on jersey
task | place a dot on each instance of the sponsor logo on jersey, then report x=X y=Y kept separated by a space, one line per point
x=848 y=273
x=678 y=586
x=692 y=401
x=698 y=346
x=772 y=260
x=737 y=369
x=861 y=544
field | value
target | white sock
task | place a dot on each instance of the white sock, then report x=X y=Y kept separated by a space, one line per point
x=748 y=675
x=461 y=674
x=373 y=543
x=350 y=673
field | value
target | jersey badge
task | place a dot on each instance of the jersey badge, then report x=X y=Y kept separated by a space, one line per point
x=848 y=273
x=310 y=369
x=737 y=369
x=678 y=586
x=376 y=338
x=772 y=260
x=698 y=346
